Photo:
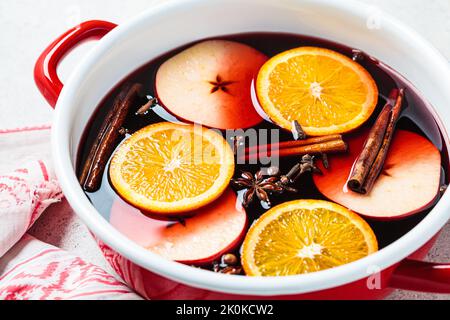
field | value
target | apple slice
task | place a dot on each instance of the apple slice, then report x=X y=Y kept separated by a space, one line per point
x=408 y=184
x=210 y=84
x=212 y=232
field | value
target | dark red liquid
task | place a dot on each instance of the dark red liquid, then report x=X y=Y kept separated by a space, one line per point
x=416 y=117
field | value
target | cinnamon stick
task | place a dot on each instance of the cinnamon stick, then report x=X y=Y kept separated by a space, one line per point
x=370 y=150
x=382 y=155
x=370 y=163
x=108 y=136
x=327 y=146
x=293 y=144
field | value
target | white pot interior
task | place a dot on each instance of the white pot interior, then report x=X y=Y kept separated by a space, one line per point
x=177 y=23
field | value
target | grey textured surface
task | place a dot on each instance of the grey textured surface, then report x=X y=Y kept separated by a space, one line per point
x=27 y=26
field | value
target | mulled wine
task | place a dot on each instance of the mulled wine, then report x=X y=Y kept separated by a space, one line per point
x=300 y=115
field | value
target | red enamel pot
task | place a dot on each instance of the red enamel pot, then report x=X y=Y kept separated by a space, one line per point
x=125 y=48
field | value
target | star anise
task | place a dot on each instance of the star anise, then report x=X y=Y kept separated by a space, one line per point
x=256 y=185
x=274 y=184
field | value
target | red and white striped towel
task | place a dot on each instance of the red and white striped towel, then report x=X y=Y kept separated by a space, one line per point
x=29 y=268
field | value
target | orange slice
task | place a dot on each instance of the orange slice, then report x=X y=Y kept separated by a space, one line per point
x=305 y=236
x=170 y=169
x=325 y=91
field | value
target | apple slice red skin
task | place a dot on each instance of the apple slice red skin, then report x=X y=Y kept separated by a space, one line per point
x=168 y=217
x=332 y=184
x=247 y=117
x=142 y=229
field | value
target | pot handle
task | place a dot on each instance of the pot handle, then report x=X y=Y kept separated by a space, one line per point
x=45 y=71
x=421 y=276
